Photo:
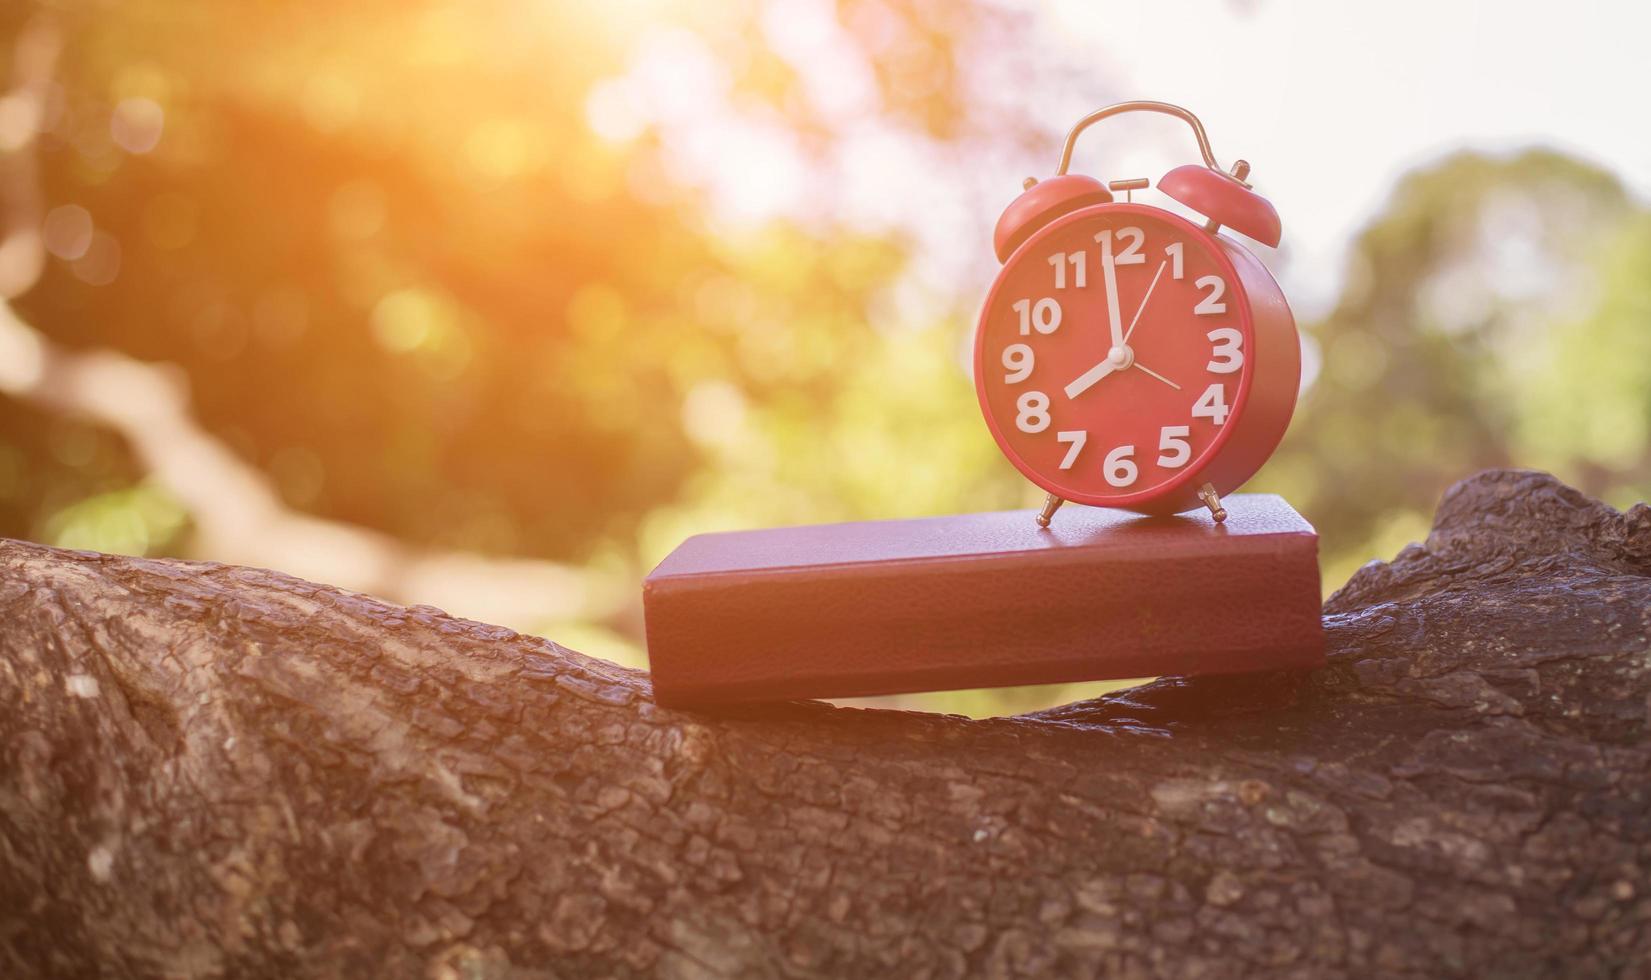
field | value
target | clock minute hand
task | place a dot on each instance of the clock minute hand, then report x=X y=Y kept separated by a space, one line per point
x=1109 y=268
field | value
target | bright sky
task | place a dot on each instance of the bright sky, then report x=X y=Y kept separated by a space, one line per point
x=1332 y=101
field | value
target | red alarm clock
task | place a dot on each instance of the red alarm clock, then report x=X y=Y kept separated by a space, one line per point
x=1127 y=356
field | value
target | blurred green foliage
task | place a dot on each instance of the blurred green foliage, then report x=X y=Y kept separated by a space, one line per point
x=1495 y=314
x=405 y=279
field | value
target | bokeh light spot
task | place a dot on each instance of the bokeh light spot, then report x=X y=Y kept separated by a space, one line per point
x=502 y=148
x=101 y=263
x=427 y=324
x=713 y=414
x=67 y=231
x=137 y=124
x=330 y=103
x=405 y=319
x=22 y=360
x=19 y=120
x=135 y=521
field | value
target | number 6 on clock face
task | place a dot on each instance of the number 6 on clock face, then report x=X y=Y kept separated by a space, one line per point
x=1119 y=468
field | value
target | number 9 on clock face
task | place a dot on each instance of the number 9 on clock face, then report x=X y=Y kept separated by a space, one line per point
x=1113 y=355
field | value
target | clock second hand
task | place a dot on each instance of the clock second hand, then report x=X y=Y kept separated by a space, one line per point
x=1142 y=308
x=1155 y=374
x=1137 y=319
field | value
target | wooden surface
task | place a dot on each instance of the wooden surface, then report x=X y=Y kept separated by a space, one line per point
x=208 y=770
x=977 y=600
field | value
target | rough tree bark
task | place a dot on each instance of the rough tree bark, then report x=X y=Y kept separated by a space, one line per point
x=206 y=769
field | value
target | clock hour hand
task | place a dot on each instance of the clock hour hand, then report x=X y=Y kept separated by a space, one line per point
x=1087 y=380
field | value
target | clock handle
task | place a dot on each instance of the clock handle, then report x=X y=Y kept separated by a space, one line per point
x=1224 y=197
x=1141 y=106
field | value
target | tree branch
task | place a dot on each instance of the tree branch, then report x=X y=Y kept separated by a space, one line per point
x=208 y=769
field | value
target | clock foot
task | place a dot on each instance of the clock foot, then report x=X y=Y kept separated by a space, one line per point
x=1051 y=504
x=1212 y=500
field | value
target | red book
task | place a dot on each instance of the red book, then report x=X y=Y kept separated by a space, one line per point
x=982 y=600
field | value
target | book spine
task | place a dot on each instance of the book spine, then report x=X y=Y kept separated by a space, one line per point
x=981 y=621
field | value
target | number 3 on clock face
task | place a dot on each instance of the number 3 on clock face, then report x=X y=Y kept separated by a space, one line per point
x=1113 y=354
